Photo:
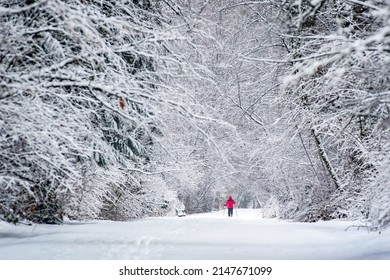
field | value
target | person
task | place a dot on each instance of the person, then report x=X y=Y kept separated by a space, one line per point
x=230 y=205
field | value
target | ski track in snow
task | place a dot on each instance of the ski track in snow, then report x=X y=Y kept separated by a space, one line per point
x=203 y=236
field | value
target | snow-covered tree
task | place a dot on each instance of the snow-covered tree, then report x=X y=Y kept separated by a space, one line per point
x=86 y=89
x=339 y=88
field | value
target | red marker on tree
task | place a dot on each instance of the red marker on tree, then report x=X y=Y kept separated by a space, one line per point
x=122 y=103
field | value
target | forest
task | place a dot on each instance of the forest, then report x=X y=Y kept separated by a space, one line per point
x=122 y=109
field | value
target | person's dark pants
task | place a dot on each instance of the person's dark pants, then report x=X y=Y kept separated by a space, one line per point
x=230 y=212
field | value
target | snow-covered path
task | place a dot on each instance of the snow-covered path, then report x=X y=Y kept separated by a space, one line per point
x=202 y=236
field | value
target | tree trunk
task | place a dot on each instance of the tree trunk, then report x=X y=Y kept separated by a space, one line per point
x=326 y=161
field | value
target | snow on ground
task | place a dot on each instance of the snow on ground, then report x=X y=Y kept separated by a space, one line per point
x=208 y=236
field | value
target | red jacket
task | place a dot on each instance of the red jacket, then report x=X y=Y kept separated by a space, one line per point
x=230 y=202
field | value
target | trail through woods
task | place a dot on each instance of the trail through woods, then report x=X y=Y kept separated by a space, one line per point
x=202 y=236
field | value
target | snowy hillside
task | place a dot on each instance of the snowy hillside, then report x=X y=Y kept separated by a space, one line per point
x=202 y=236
